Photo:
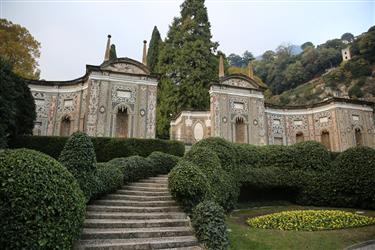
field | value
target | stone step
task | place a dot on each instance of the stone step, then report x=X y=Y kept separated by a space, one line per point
x=125 y=209
x=148 y=189
x=138 y=197
x=148 y=185
x=138 y=243
x=135 y=203
x=127 y=233
x=184 y=248
x=116 y=223
x=143 y=193
x=134 y=216
x=161 y=181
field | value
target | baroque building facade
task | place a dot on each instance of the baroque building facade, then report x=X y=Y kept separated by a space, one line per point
x=239 y=113
x=114 y=99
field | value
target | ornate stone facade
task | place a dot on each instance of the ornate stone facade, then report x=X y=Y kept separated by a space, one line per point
x=93 y=102
x=237 y=104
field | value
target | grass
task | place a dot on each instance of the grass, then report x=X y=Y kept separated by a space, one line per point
x=242 y=237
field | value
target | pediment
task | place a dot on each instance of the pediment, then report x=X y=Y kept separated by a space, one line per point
x=126 y=65
x=240 y=82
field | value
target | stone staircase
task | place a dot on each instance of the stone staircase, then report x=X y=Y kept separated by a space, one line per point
x=141 y=215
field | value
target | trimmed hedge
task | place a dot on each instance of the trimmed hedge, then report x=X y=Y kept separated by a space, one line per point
x=162 y=162
x=223 y=187
x=209 y=224
x=353 y=178
x=134 y=168
x=224 y=150
x=42 y=206
x=106 y=148
x=187 y=184
x=78 y=156
x=108 y=178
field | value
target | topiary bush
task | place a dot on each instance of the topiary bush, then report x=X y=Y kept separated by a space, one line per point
x=353 y=178
x=310 y=155
x=224 y=150
x=133 y=168
x=108 y=178
x=187 y=184
x=42 y=206
x=223 y=186
x=162 y=162
x=78 y=156
x=209 y=224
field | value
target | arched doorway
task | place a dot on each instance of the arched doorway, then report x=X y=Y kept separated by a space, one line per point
x=65 y=126
x=240 y=130
x=325 y=139
x=358 y=137
x=122 y=118
x=299 y=137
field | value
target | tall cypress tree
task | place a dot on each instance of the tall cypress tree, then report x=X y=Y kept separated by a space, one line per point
x=153 y=50
x=187 y=64
x=112 y=52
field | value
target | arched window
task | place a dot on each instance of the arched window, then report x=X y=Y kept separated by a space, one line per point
x=358 y=137
x=122 y=122
x=65 y=126
x=325 y=139
x=240 y=130
x=299 y=137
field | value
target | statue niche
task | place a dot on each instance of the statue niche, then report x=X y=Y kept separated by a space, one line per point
x=122 y=119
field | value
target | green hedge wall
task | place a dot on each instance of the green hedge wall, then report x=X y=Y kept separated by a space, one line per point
x=106 y=148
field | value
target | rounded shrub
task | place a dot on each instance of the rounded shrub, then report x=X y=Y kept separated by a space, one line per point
x=278 y=156
x=162 y=162
x=209 y=224
x=133 y=168
x=78 y=156
x=108 y=178
x=187 y=184
x=223 y=186
x=354 y=178
x=42 y=206
x=224 y=150
x=311 y=155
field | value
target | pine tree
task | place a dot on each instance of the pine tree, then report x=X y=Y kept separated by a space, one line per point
x=153 y=50
x=187 y=64
x=112 y=52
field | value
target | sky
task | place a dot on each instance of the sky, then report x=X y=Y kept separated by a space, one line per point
x=73 y=33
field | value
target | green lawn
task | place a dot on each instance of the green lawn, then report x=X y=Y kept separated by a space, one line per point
x=243 y=237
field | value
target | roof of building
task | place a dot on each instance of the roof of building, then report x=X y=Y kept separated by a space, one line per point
x=322 y=103
x=102 y=68
x=252 y=84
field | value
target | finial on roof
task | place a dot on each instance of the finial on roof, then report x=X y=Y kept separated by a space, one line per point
x=250 y=70
x=144 y=57
x=108 y=48
x=221 y=66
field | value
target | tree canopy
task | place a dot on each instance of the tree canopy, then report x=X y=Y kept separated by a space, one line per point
x=17 y=108
x=187 y=63
x=154 y=49
x=240 y=61
x=20 y=49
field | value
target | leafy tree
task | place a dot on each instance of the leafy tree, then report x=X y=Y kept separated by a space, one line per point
x=366 y=45
x=17 y=108
x=247 y=57
x=20 y=48
x=269 y=55
x=153 y=50
x=187 y=64
x=112 y=52
x=348 y=37
x=307 y=45
x=295 y=74
x=235 y=60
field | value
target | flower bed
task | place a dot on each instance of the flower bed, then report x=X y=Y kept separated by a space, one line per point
x=310 y=220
